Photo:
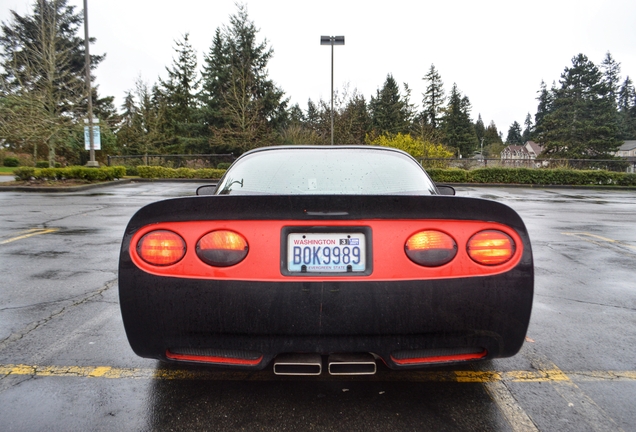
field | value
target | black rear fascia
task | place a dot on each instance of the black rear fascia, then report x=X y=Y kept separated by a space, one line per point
x=167 y=307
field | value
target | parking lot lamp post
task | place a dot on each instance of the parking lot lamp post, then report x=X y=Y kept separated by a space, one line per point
x=91 y=162
x=332 y=40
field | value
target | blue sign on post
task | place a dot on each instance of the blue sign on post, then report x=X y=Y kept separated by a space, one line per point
x=97 y=140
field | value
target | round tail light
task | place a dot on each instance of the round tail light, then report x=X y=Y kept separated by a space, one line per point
x=491 y=247
x=161 y=248
x=222 y=248
x=430 y=248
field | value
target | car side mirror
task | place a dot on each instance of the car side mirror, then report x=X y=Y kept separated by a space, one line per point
x=445 y=189
x=206 y=190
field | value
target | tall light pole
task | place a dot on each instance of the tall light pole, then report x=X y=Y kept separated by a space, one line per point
x=330 y=40
x=91 y=140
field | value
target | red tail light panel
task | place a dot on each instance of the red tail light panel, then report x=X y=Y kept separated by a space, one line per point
x=263 y=261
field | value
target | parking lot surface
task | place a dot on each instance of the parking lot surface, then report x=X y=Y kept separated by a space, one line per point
x=65 y=363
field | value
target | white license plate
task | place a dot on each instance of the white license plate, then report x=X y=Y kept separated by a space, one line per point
x=326 y=252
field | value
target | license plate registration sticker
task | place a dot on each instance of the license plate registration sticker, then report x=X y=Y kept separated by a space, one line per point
x=326 y=252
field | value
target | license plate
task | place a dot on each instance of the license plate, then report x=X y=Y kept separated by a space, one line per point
x=326 y=252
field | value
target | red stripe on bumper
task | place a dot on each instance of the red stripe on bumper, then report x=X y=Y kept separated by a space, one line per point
x=440 y=359
x=217 y=360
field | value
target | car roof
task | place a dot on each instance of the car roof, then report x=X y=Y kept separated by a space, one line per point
x=327 y=147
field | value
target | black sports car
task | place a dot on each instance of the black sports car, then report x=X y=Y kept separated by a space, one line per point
x=341 y=256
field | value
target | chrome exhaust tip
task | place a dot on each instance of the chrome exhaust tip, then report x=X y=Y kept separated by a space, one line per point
x=351 y=364
x=298 y=364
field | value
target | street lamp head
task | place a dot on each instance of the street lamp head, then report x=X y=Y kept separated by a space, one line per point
x=332 y=40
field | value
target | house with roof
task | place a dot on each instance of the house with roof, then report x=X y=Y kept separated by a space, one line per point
x=529 y=151
x=627 y=150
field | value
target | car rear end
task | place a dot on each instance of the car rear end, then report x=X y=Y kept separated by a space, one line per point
x=288 y=281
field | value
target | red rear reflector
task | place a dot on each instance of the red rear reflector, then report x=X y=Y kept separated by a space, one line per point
x=440 y=359
x=430 y=248
x=161 y=248
x=491 y=247
x=222 y=248
x=214 y=359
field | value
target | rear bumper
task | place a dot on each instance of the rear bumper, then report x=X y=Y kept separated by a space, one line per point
x=390 y=319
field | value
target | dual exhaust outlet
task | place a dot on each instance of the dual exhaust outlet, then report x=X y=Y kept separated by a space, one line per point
x=337 y=364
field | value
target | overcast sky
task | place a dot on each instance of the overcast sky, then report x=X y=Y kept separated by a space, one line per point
x=497 y=51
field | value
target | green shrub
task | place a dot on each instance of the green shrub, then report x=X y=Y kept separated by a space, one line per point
x=158 y=172
x=450 y=175
x=119 y=171
x=223 y=165
x=73 y=172
x=24 y=173
x=627 y=180
x=528 y=176
x=11 y=162
x=42 y=164
x=210 y=173
x=47 y=173
x=131 y=170
x=185 y=173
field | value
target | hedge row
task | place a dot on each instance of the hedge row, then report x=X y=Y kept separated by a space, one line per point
x=440 y=175
x=532 y=176
x=74 y=172
x=169 y=173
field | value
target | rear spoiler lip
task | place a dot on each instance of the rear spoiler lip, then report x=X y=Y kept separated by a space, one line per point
x=328 y=207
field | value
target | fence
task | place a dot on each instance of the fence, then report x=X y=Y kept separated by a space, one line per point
x=618 y=165
x=194 y=161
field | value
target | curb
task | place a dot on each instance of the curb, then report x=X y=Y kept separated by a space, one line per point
x=539 y=186
x=63 y=188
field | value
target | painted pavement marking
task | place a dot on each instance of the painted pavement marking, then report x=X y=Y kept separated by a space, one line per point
x=495 y=384
x=577 y=400
x=598 y=240
x=544 y=375
x=30 y=233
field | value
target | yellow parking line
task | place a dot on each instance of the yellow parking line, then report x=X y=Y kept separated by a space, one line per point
x=551 y=375
x=582 y=235
x=31 y=233
x=589 y=411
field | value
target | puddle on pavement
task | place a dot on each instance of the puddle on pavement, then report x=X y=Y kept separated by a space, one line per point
x=67 y=232
x=41 y=254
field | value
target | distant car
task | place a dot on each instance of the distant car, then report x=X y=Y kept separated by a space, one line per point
x=338 y=256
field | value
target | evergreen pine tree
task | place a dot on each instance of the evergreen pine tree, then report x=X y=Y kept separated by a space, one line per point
x=313 y=116
x=433 y=102
x=390 y=112
x=459 y=131
x=583 y=120
x=514 y=134
x=143 y=129
x=611 y=75
x=480 y=129
x=493 y=144
x=627 y=110
x=180 y=96
x=354 y=121
x=529 y=129
x=492 y=135
x=545 y=99
x=242 y=106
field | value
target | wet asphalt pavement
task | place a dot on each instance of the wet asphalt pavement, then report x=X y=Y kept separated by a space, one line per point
x=65 y=363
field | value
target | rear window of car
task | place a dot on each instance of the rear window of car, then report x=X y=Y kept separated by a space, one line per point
x=329 y=171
